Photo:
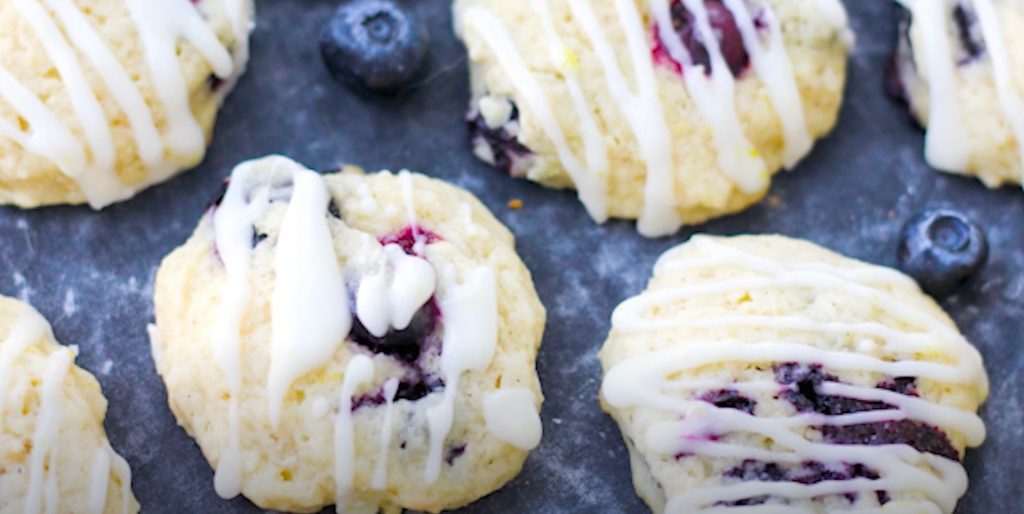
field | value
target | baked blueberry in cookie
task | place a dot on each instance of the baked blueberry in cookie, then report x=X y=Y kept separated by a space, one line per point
x=102 y=99
x=374 y=45
x=56 y=454
x=377 y=356
x=766 y=374
x=940 y=249
x=670 y=112
x=958 y=66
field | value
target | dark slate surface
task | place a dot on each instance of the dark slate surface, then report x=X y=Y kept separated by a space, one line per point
x=92 y=273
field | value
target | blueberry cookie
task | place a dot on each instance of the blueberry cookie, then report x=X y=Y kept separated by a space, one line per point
x=766 y=374
x=54 y=453
x=360 y=340
x=958 y=64
x=666 y=111
x=100 y=99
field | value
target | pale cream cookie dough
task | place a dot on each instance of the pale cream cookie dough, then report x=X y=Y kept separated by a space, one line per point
x=670 y=112
x=100 y=99
x=766 y=374
x=960 y=66
x=364 y=340
x=54 y=453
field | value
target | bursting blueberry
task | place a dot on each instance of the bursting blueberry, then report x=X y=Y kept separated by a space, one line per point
x=940 y=249
x=374 y=44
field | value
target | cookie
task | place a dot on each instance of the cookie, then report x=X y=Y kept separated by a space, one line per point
x=766 y=374
x=364 y=340
x=958 y=66
x=54 y=453
x=100 y=99
x=624 y=101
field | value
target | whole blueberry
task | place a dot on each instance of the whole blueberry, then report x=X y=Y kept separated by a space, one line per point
x=940 y=249
x=374 y=44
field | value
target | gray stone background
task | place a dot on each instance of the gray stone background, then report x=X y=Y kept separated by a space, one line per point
x=92 y=273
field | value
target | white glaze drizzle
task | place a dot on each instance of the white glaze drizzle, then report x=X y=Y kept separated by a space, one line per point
x=99 y=481
x=243 y=204
x=1003 y=71
x=511 y=415
x=105 y=462
x=714 y=98
x=771 y=63
x=358 y=372
x=390 y=297
x=946 y=146
x=160 y=25
x=380 y=472
x=470 y=336
x=643 y=381
x=737 y=157
x=309 y=307
x=43 y=494
x=643 y=111
x=31 y=327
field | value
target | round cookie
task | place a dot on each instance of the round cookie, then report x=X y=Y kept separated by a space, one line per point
x=766 y=374
x=54 y=453
x=100 y=99
x=361 y=340
x=958 y=66
x=625 y=103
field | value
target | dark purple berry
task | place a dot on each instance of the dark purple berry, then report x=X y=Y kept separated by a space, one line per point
x=921 y=436
x=332 y=209
x=257 y=237
x=967 y=27
x=406 y=345
x=503 y=142
x=730 y=399
x=723 y=24
x=941 y=249
x=903 y=385
x=375 y=45
x=454 y=452
x=415 y=386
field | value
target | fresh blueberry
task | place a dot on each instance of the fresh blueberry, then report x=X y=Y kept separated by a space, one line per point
x=374 y=44
x=730 y=41
x=940 y=249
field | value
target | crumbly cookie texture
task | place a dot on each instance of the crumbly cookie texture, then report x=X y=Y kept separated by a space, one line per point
x=54 y=453
x=624 y=102
x=958 y=66
x=762 y=373
x=100 y=99
x=366 y=340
